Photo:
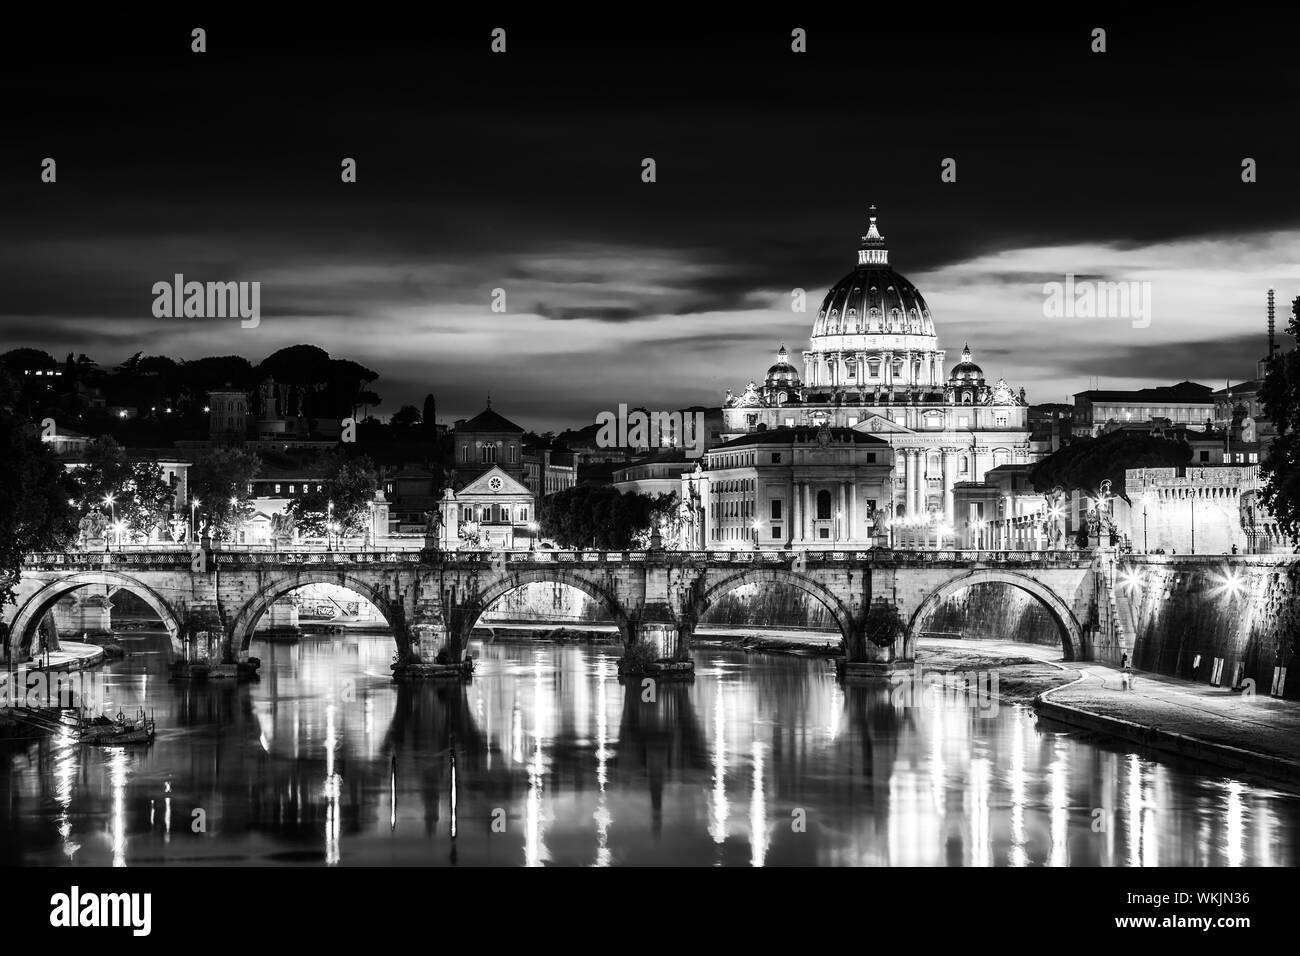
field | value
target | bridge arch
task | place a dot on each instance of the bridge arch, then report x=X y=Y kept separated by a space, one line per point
x=23 y=627
x=1059 y=610
x=484 y=600
x=842 y=615
x=245 y=620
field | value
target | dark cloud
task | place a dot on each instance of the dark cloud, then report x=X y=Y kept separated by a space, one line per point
x=523 y=172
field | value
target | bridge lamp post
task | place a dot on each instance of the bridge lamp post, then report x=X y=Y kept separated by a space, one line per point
x=329 y=527
x=839 y=515
x=1144 y=523
x=194 y=503
x=532 y=536
x=118 y=528
x=108 y=500
x=758 y=526
x=979 y=534
x=234 y=520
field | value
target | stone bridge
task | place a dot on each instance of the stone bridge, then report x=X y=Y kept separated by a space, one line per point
x=211 y=601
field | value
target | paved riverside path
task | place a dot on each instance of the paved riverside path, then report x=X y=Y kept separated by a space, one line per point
x=72 y=656
x=1168 y=713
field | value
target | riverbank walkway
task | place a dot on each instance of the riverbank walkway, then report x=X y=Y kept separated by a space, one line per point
x=1238 y=730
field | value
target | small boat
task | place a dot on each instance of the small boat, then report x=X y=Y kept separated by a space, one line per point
x=118 y=730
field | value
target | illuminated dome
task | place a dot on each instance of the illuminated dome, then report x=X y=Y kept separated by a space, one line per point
x=782 y=374
x=874 y=327
x=967 y=372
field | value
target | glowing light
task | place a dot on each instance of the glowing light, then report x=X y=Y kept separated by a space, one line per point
x=1231 y=584
x=1131 y=578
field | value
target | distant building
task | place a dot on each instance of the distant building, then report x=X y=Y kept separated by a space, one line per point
x=227 y=415
x=493 y=505
x=486 y=440
x=789 y=488
x=1097 y=410
x=495 y=511
x=874 y=365
x=657 y=474
x=1004 y=512
x=65 y=441
x=549 y=470
x=1201 y=510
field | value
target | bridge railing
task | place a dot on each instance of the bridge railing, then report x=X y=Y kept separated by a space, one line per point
x=254 y=556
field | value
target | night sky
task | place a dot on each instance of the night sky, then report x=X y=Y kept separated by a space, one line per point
x=523 y=172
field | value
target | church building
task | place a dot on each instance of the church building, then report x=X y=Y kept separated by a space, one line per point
x=874 y=367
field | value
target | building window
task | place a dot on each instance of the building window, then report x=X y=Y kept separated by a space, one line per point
x=523 y=513
x=753 y=420
x=776 y=531
x=776 y=458
x=825 y=532
x=277 y=489
x=1205 y=455
x=776 y=509
x=1000 y=420
x=871 y=458
x=823 y=504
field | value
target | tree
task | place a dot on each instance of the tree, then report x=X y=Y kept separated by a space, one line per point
x=1280 y=395
x=217 y=477
x=345 y=497
x=148 y=500
x=34 y=510
x=408 y=416
x=599 y=517
x=429 y=417
x=1084 y=464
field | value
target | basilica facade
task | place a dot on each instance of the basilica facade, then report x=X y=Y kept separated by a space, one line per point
x=874 y=368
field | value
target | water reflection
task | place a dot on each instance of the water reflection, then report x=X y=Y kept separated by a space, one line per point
x=546 y=759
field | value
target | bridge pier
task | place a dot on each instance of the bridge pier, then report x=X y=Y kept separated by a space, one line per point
x=659 y=645
x=209 y=648
x=434 y=648
x=876 y=647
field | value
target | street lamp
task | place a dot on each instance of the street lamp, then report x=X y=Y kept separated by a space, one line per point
x=108 y=500
x=838 y=531
x=532 y=536
x=234 y=520
x=329 y=528
x=1145 y=498
x=757 y=527
x=118 y=528
x=194 y=503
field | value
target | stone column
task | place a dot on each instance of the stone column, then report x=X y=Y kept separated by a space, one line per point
x=909 y=479
x=949 y=479
x=887 y=369
x=796 y=505
x=807 y=511
x=840 y=514
x=853 y=510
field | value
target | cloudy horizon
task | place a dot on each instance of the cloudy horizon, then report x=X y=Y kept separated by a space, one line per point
x=477 y=174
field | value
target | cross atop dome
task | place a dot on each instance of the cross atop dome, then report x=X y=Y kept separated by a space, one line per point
x=872 y=252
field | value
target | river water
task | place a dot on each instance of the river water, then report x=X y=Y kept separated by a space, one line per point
x=545 y=759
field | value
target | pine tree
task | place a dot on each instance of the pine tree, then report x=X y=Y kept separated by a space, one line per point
x=1281 y=466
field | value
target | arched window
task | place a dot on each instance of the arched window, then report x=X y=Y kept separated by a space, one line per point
x=823 y=504
x=965 y=465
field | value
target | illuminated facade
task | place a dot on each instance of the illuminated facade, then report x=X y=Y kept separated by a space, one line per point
x=874 y=366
